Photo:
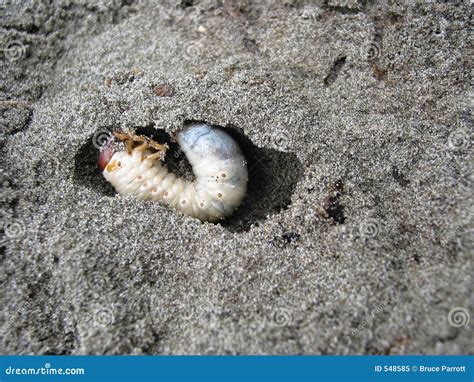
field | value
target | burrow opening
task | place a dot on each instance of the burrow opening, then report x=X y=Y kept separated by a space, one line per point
x=273 y=174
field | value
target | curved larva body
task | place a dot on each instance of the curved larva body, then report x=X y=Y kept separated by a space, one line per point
x=217 y=162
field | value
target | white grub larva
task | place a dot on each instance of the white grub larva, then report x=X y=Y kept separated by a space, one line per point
x=218 y=164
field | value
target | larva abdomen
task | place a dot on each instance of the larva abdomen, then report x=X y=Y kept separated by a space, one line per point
x=218 y=164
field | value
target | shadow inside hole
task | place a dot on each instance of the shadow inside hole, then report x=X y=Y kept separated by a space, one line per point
x=175 y=160
x=87 y=172
x=273 y=175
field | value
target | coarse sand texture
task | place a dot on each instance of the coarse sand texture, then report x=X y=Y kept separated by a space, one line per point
x=356 y=232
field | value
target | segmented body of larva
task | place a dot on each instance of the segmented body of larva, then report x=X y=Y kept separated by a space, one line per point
x=218 y=164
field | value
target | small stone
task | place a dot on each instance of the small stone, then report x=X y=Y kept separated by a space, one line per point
x=163 y=90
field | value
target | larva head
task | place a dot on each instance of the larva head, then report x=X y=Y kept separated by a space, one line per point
x=105 y=155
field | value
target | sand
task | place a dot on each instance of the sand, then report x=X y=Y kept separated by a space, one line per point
x=356 y=235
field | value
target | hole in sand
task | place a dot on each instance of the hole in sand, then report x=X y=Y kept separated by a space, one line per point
x=175 y=160
x=273 y=175
x=334 y=71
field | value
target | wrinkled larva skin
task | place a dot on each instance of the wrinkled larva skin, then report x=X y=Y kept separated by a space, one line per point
x=218 y=165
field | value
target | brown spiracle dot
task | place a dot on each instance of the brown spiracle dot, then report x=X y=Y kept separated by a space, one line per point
x=163 y=90
x=145 y=184
x=219 y=195
x=223 y=175
x=154 y=190
x=166 y=193
x=183 y=201
x=202 y=204
x=140 y=177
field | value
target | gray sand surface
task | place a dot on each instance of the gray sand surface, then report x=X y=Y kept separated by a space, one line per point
x=356 y=236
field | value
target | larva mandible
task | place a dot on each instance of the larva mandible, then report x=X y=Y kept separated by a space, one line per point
x=218 y=164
